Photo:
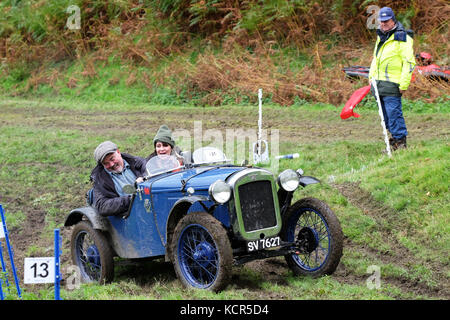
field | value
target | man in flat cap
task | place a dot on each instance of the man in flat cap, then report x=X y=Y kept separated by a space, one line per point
x=392 y=67
x=114 y=170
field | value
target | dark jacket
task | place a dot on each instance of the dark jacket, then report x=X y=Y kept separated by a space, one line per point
x=106 y=200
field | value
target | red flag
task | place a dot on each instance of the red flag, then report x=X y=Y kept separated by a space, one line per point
x=356 y=98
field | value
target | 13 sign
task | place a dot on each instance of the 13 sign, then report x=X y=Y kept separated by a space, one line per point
x=39 y=270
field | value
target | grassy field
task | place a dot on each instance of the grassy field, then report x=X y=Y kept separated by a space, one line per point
x=394 y=212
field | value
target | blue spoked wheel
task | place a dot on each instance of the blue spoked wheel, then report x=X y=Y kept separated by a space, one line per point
x=202 y=252
x=92 y=254
x=317 y=235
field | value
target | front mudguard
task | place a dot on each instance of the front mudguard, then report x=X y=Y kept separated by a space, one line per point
x=307 y=180
x=178 y=211
x=285 y=197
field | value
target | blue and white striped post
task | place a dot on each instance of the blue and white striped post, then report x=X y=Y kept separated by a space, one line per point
x=288 y=156
x=10 y=252
x=57 y=264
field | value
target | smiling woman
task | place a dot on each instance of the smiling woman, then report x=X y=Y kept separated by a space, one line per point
x=164 y=143
x=163 y=148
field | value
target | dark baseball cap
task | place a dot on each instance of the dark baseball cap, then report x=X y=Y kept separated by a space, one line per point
x=386 y=14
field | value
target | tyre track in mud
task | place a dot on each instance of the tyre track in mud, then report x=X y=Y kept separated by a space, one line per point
x=293 y=125
x=345 y=275
x=397 y=254
x=272 y=269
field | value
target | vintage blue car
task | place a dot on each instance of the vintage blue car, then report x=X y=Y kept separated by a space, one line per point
x=206 y=216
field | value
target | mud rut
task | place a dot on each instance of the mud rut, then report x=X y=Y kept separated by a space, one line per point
x=274 y=269
x=398 y=254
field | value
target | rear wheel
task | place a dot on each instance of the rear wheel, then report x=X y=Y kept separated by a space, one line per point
x=202 y=253
x=92 y=254
x=318 y=238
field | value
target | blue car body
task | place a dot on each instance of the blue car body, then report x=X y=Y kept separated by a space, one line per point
x=144 y=232
x=205 y=218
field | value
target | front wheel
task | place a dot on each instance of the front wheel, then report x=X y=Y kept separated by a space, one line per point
x=317 y=235
x=92 y=254
x=202 y=253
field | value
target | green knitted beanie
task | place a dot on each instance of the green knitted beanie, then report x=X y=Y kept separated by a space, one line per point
x=164 y=134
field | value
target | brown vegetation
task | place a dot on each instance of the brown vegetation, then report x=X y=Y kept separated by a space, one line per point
x=241 y=46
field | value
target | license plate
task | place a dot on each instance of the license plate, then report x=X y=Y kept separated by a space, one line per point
x=265 y=243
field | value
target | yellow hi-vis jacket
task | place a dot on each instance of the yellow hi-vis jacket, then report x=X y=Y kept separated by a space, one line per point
x=395 y=60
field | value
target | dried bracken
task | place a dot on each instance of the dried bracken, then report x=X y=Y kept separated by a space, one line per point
x=214 y=49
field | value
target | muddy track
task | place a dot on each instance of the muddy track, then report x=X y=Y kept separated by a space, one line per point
x=345 y=275
x=323 y=127
x=398 y=254
x=29 y=239
x=27 y=235
x=274 y=270
x=324 y=130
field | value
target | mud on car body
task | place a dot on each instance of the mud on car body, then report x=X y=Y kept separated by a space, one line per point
x=206 y=216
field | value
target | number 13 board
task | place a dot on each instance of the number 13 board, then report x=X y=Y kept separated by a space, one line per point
x=39 y=270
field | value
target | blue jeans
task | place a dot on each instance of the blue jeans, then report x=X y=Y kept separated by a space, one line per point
x=393 y=116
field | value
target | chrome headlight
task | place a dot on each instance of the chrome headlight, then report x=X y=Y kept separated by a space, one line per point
x=220 y=191
x=288 y=180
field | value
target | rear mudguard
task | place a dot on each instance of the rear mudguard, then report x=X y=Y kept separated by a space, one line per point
x=98 y=222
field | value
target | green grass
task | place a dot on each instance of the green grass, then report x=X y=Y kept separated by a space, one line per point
x=414 y=184
x=49 y=130
x=46 y=160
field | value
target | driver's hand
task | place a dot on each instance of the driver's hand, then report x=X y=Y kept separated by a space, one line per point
x=139 y=180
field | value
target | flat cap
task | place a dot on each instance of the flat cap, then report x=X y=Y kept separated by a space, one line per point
x=103 y=149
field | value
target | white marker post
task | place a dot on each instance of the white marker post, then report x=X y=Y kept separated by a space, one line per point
x=260 y=147
x=380 y=112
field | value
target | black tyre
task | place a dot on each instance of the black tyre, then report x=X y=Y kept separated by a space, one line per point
x=92 y=254
x=315 y=229
x=202 y=254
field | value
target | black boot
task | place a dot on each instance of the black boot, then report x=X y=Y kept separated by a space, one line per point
x=399 y=143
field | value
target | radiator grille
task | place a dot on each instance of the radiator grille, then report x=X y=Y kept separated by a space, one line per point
x=257 y=208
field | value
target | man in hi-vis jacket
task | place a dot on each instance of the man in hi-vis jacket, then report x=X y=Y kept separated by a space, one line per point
x=392 y=67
